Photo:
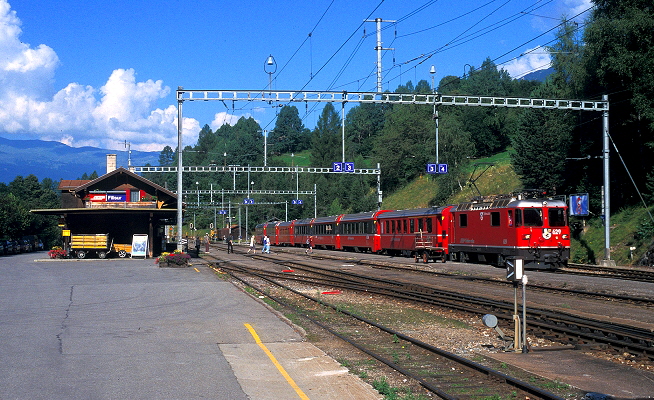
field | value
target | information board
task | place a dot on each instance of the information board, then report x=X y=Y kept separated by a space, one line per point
x=140 y=245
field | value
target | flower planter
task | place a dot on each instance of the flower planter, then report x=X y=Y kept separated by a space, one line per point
x=173 y=260
x=166 y=264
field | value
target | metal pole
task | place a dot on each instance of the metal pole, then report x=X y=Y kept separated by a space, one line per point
x=343 y=129
x=246 y=206
x=286 y=205
x=315 y=200
x=517 y=341
x=180 y=203
x=525 y=348
x=265 y=148
x=379 y=191
x=379 y=55
x=436 y=121
x=607 y=191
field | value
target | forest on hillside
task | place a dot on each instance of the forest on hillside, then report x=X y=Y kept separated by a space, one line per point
x=556 y=150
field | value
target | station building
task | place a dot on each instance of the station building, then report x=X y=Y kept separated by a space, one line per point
x=119 y=203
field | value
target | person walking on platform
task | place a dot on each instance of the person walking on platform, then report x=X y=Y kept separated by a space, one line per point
x=266 y=244
x=253 y=243
x=309 y=249
x=230 y=244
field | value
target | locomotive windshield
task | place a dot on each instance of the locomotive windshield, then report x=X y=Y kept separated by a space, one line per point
x=556 y=216
x=529 y=217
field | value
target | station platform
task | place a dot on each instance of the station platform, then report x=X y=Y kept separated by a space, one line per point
x=126 y=328
x=584 y=372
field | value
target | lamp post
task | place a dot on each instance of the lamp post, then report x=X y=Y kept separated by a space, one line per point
x=270 y=67
x=432 y=71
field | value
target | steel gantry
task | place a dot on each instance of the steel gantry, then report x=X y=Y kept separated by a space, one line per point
x=343 y=97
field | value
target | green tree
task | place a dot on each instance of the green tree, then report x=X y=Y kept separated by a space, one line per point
x=619 y=61
x=167 y=157
x=542 y=143
x=326 y=138
x=487 y=123
x=289 y=134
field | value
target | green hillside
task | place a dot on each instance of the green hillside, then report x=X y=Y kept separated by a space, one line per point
x=629 y=228
x=497 y=179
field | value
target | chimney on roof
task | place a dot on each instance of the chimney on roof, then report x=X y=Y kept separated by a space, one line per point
x=111 y=162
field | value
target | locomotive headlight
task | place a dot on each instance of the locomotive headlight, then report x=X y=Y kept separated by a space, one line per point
x=564 y=236
x=526 y=236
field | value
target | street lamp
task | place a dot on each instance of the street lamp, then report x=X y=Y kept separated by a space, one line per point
x=270 y=67
x=432 y=71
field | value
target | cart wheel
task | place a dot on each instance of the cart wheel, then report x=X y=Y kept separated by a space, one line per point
x=122 y=253
x=102 y=254
x=462 y=257
x=425 y=257
x=415 y=257
x=81 y=254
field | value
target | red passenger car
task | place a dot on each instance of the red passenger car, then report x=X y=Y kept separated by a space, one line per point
x=420 y=233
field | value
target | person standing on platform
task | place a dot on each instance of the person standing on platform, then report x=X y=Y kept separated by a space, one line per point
x=266 y=244
x=206 y=243
x=230 y=244
x=253 y=243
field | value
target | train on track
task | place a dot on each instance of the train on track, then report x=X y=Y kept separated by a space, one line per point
x=491 y=229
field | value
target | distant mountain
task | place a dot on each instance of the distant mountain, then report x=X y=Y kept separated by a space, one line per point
x=58 y=161
x=539 y=75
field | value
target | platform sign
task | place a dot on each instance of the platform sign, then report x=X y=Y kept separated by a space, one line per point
x=248 y=201
x=337 y=166
x=432 y=168
x=349 y=167
x=297 y=201
x=442 y=168
x=222 y=212
x=139 y=245
x=579 y=204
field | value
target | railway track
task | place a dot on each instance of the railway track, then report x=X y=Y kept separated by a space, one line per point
x=442 y=373
x=640 y=275
x=563 y=327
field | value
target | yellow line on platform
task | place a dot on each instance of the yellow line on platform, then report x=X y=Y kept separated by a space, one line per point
x=196 y=270
x=277 y=364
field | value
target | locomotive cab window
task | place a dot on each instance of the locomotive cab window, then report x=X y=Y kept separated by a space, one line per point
x=556 y=217
x=495 y=218
x=533 y=216
x=463 y=220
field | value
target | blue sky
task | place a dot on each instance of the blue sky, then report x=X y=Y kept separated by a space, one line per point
x=99 y=73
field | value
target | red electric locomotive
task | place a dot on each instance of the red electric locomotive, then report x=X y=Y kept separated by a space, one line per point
x=520 y=226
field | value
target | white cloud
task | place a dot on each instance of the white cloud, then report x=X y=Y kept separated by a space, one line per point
x=532 y=60
x=122 y=109
x=574 y=7
x=223 y=118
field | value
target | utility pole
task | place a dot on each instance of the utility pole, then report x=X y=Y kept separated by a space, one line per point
x=379 y=49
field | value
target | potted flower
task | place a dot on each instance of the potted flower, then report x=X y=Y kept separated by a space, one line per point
x=176 y=259
x=57 y=252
